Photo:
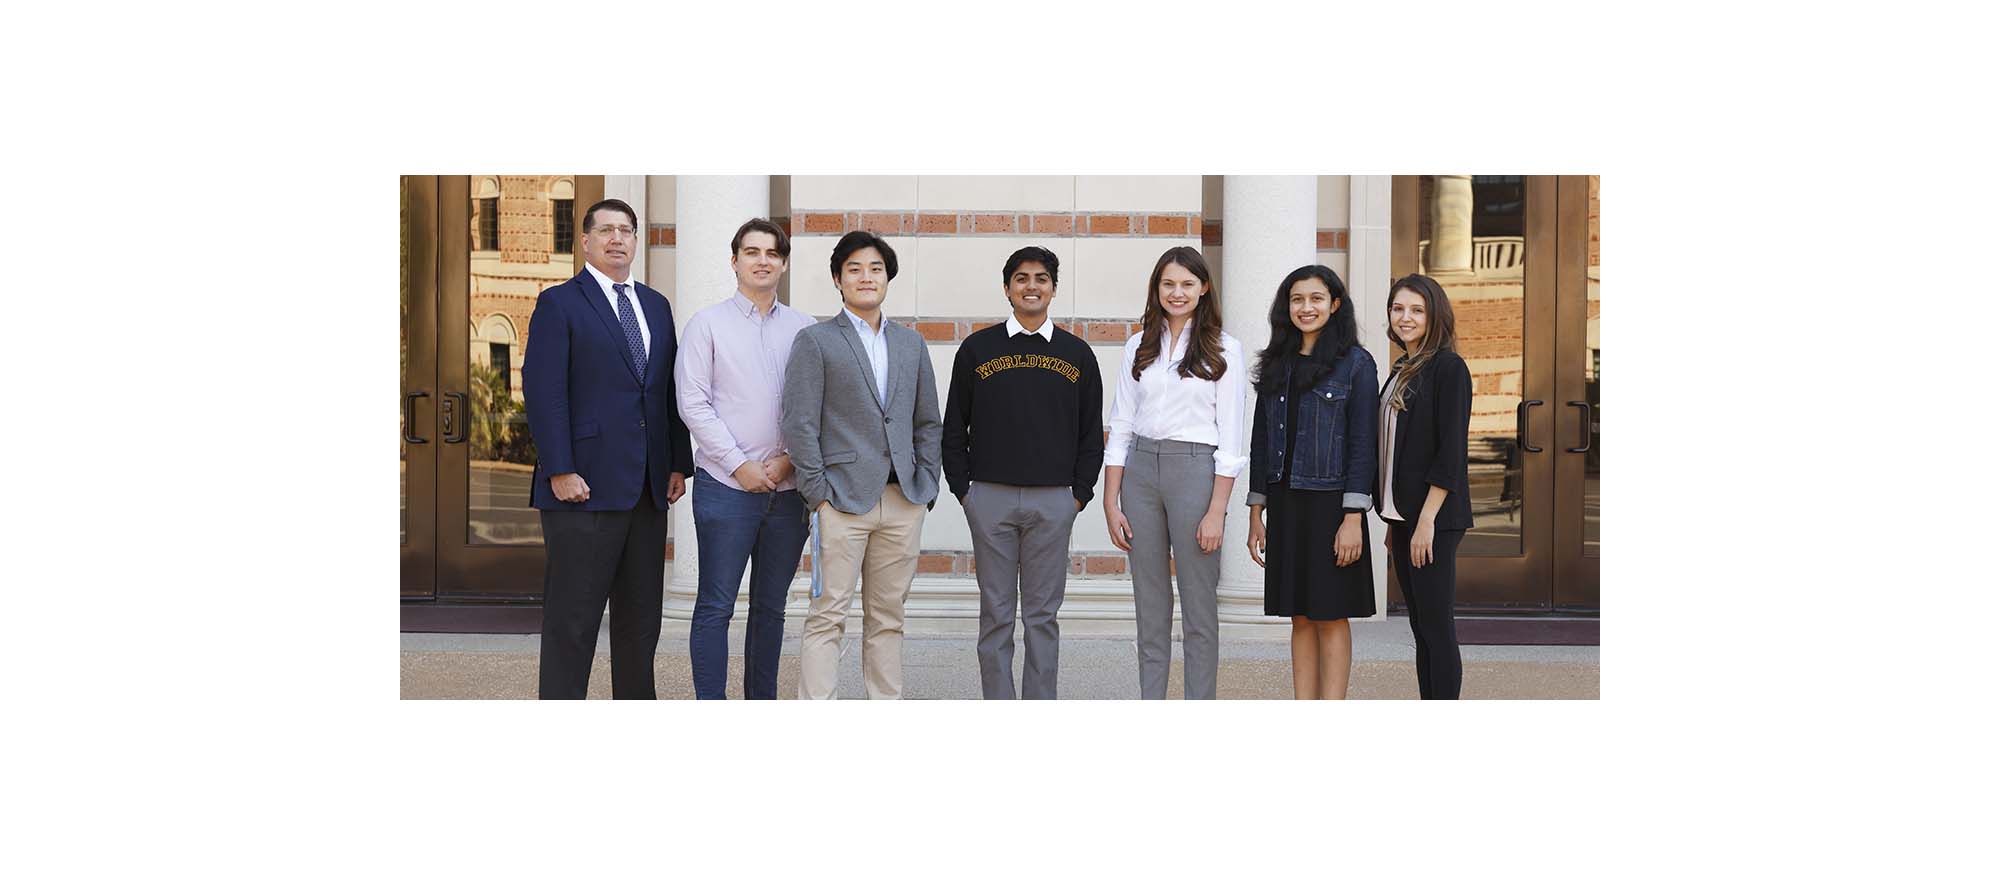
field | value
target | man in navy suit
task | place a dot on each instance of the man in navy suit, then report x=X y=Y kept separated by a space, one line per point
x=599 y=386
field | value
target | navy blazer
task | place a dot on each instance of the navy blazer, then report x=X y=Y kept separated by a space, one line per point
x=590 y=411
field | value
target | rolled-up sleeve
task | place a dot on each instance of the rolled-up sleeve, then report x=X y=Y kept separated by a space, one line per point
x=1231 y=397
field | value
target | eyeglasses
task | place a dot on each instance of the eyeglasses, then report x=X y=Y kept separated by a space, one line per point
x=610 y=231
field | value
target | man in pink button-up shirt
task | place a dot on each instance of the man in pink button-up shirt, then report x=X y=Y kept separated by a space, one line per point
x=731 y=376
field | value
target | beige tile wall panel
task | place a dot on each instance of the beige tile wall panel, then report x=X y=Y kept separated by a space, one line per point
x=1126 y=194
x=1338 y=262
x=945 y=528
x=1107 y=278
x=962 y=275
x=996 y=194
x=1333 y=203
x=660 y=275
x=852 y=193
x=812 y=283
x=659 y=202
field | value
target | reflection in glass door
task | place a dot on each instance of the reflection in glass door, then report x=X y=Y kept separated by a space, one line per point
x=1472 y=239
x=522 y=241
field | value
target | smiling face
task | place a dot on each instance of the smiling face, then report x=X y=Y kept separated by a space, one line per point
x=1180 y=290
x=1408 y=318
x=757 y=263
x=1030 y=290
x=864 y=280
x=1312 y=304
x=610 y=242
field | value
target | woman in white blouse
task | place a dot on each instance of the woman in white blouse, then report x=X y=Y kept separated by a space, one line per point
x=1176 y=448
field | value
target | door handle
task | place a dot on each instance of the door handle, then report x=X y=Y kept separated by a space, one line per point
x=454 y=417
x=410 y=417
x=1585 y=407
x=1521 y=426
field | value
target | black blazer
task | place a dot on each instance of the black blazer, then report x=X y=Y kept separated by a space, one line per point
x=1430 y=443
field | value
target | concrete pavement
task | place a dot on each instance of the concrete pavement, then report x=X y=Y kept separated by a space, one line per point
x=1099 y=661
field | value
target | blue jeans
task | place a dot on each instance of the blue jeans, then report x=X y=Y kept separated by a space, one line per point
x=732 y=528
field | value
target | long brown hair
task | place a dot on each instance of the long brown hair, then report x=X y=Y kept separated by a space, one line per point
x=1439 y=333
x=1203 y=360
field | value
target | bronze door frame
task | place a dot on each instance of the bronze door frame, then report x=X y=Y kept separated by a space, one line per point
x=1520 y=583
x=418 y=394
x=1576 y=573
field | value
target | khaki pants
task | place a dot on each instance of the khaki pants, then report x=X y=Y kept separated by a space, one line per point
x=879 y=549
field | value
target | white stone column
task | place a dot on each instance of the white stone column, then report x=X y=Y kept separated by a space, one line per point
x=707 y=212
x=1268 y=227
x=1368 y=281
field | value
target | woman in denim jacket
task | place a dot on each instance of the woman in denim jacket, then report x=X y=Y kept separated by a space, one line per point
x=1312 y=464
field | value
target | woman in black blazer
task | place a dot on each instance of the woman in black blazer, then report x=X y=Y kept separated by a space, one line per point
x=1426 y=407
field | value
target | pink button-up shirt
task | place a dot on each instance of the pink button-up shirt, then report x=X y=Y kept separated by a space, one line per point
x=729 y=377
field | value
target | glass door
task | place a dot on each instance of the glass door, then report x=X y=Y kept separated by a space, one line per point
x=1490 y=241
x=501 y=240
x=1518 y=256
x=508 y=238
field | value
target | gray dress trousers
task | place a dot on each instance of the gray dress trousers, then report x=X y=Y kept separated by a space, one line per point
x=1164 y=494
x=1020 y=544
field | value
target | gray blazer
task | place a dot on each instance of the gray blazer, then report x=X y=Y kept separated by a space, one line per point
x=842 y=438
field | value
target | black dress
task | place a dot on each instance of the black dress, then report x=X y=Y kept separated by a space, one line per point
x=1301 y=577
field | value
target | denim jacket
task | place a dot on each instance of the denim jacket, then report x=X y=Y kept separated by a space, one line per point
x=1334 y=450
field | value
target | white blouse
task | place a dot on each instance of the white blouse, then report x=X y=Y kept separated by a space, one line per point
x=1163 y=405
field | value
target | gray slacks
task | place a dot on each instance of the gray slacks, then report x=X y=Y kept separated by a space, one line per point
x=1020 y=539
x=1164 y=494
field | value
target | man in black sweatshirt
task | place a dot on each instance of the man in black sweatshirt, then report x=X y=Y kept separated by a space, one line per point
x=1023 y=442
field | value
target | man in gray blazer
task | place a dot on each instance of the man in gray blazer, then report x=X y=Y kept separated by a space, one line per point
x=861 y=419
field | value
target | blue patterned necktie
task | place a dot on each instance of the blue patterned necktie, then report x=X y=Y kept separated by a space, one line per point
x=630 y=322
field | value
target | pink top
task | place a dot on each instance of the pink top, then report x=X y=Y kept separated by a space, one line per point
x=730 y=382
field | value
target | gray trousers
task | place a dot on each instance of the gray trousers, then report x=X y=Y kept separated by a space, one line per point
x=1164 y=494
x=1020 y=539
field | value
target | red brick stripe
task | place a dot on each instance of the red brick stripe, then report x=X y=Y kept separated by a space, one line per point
x=976 y=224
x=659 y=235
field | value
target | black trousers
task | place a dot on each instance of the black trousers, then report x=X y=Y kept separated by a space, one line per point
x=597 y=556
x=1429 y=591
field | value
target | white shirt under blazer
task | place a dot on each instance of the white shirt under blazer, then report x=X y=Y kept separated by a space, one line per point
x=1163 y=405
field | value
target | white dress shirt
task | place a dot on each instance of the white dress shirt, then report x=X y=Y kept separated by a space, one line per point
x=611 y=295
x=1047 y=331
x=1163 y=405
x=877 y=348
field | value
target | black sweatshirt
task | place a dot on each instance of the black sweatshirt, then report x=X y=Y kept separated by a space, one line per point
x=1024 y=411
